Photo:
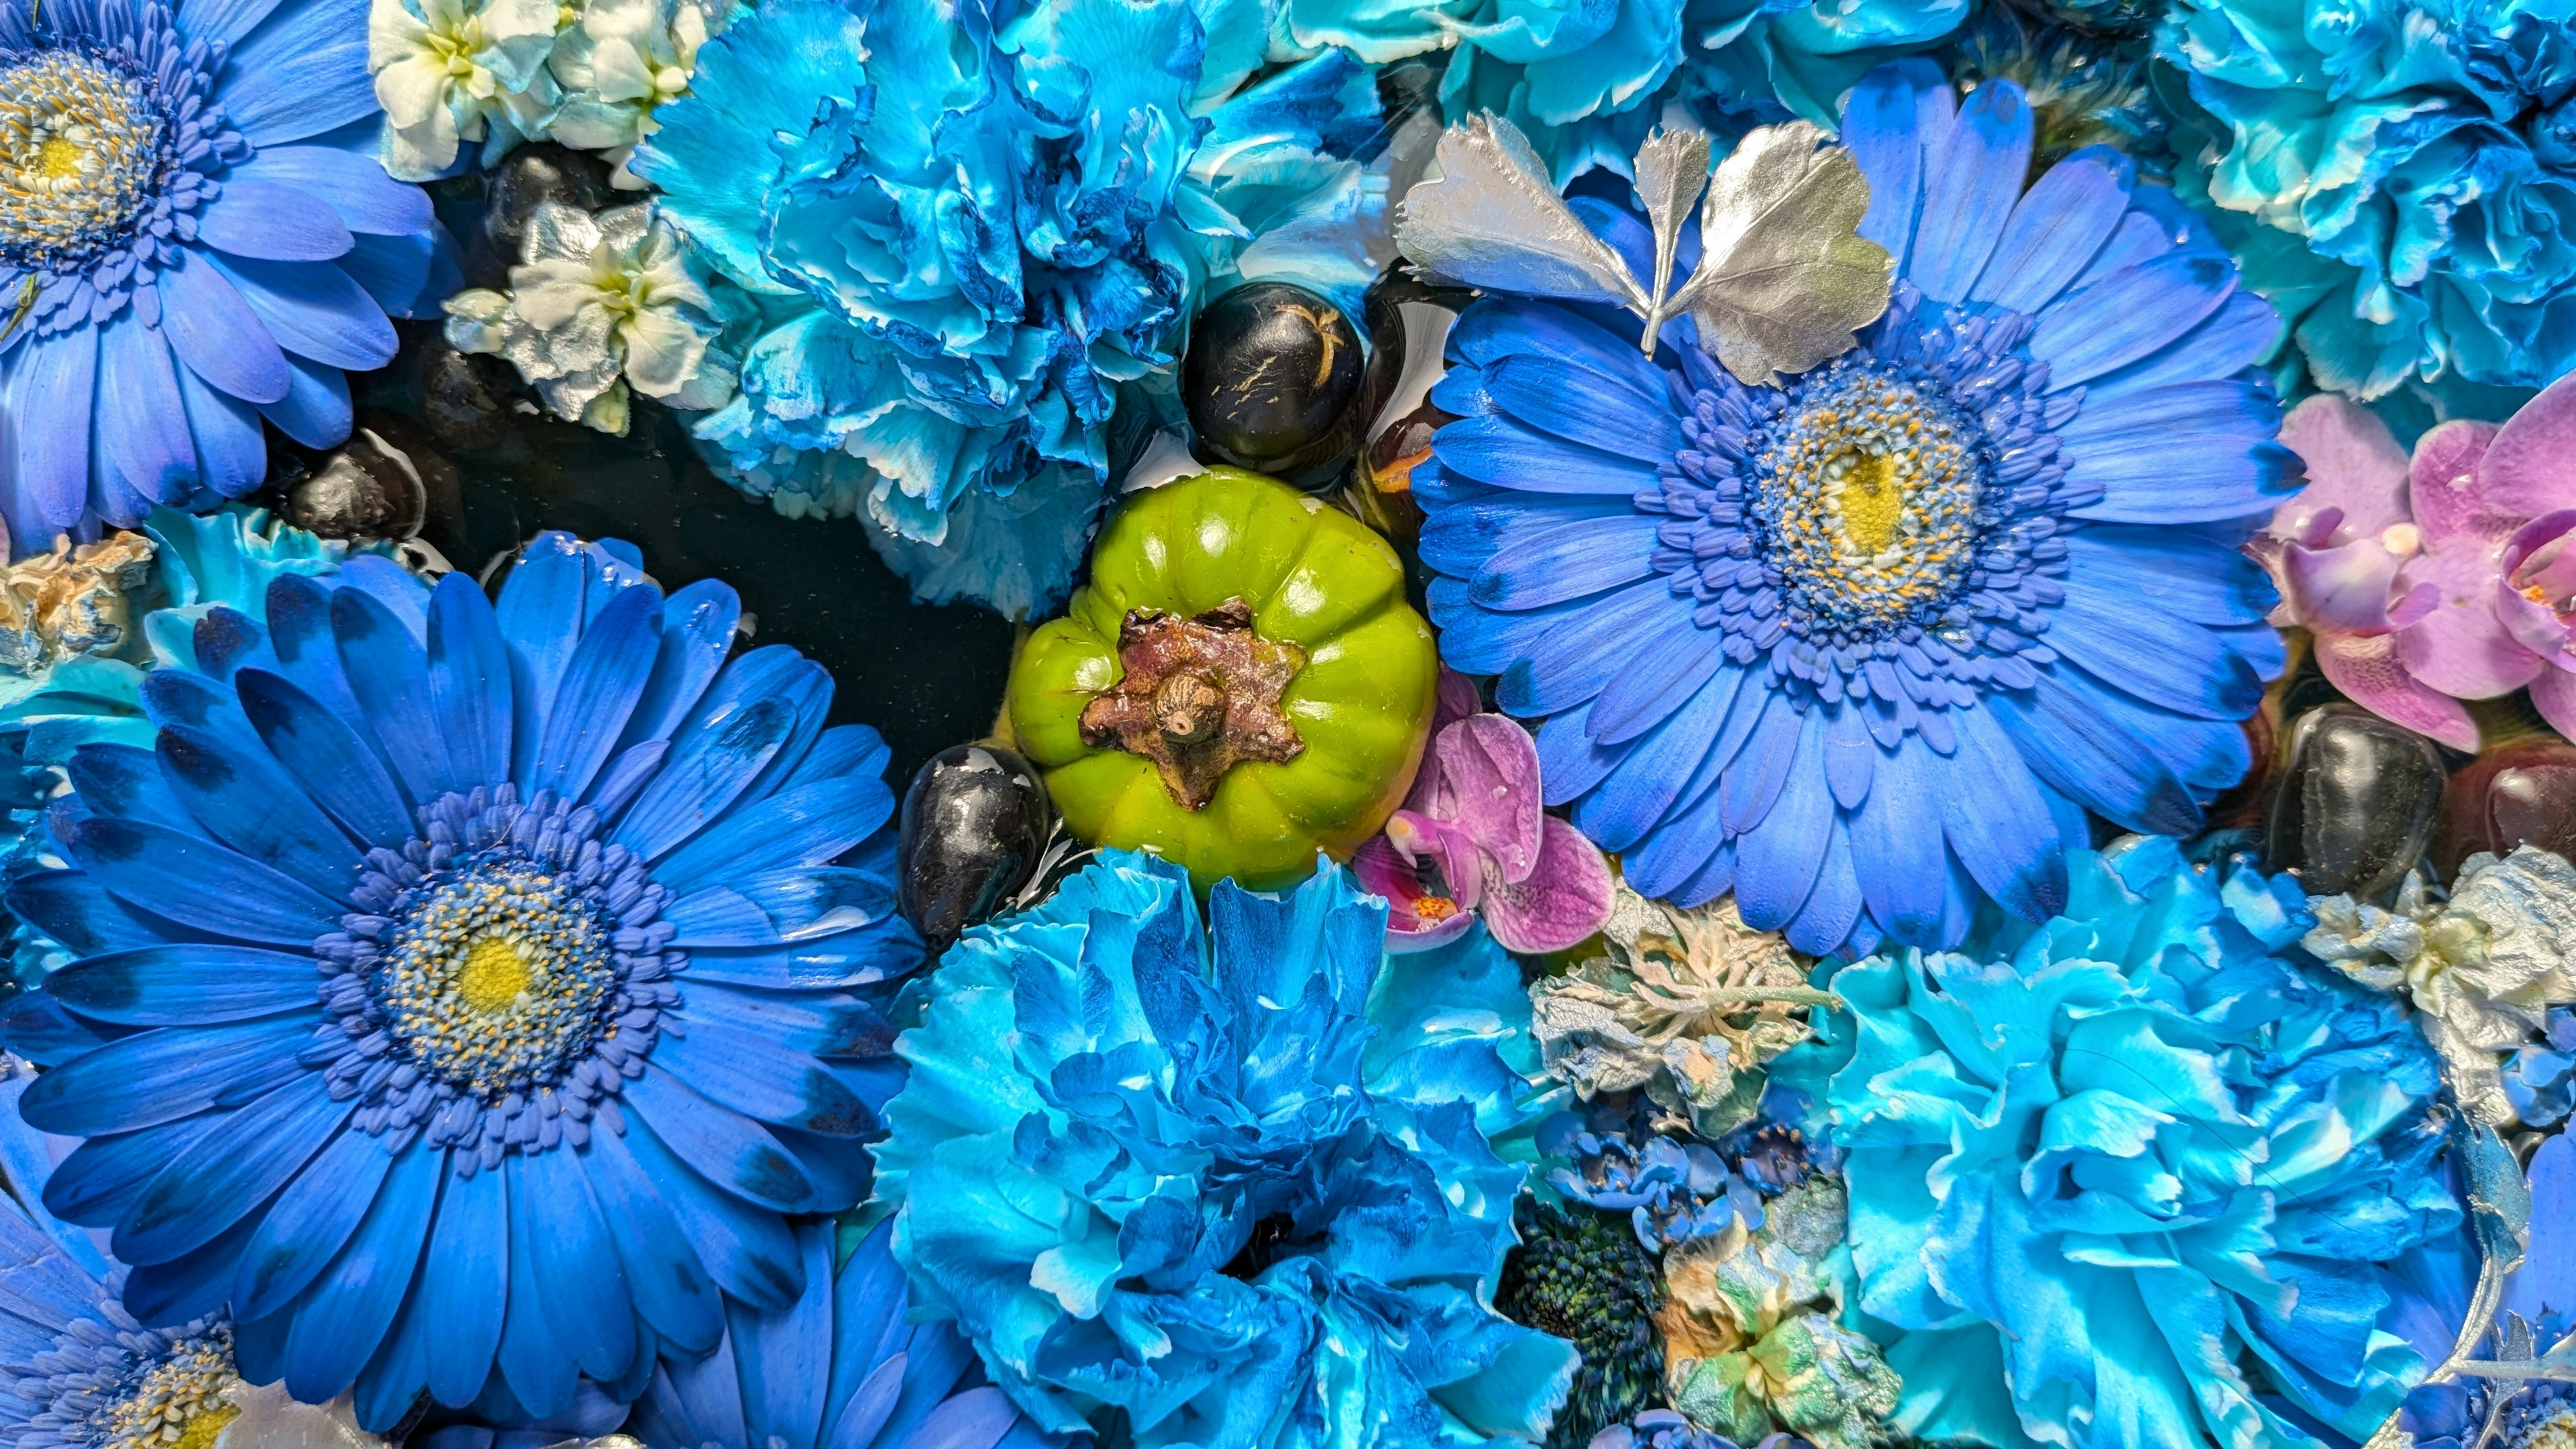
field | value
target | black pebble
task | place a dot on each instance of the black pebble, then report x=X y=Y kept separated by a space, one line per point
x=367 y=488
x=975 y=821
x=529 y=177
x=2357 y=805
x=1271 y=376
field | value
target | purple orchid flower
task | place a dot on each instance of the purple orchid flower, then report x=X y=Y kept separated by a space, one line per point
x=2436 y=579
x=1474 y=815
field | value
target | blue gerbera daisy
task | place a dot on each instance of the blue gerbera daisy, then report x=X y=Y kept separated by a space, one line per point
x=475 y=982
x=1910 y=608
x=842 y=1368
x=192 y=225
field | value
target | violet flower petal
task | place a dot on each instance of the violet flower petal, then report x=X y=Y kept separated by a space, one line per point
x=2355 y=469
x=2449 y=489
x=2342 y=590
x=1383 y=872
x=2554 y=695
x=1492 y=765
x=2530 y=467
x=2537 y=581
x=2461 y=648
x=1450 y=846
x=2367 y=670
x=1563 y=901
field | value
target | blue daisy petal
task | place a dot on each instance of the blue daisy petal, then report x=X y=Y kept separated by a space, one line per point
x=1746 y=614
x=393 y=1044
x=160 y=280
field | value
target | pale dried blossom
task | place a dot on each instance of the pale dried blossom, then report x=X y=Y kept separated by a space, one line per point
x=625 y=60
x=449 y=71
x=1751 y=1345
x=266 y=1416
x=74 y=600
x=599 y=305
x=1685 y=1007
x=2482 y=967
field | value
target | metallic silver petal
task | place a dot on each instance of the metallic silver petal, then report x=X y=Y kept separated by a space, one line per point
x=1784 y=281
x=1493 y=219
x=1672 y=169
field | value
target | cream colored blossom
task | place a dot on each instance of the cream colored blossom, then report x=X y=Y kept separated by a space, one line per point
x=626 y=59
x=1685 y=1007
x=599 y=305
x=2482 y=968
x=71 y=601
x=449 y=71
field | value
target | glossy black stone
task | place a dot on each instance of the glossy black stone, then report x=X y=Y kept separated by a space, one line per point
x=532 y=176
x=975 y=823
x=2518 y=794
x=467 y=401
x=367 y=488
x=2356 y=804
x=1271 y=380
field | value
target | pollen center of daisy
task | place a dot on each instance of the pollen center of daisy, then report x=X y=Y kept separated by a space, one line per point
x=80 y=156
x=1866 y=500
x=176 y=1403
x=495 y=975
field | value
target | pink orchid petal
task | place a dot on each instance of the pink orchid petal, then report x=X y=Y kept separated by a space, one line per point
x=2342 y=590
x=1457 y=699
x=2539 y=581
x=1492 y=765
x=2461 y=648
x=2530 y=468
x=1409 y=925
x=2449 y=487
x=2355 y=470
x=1563 y=901
x=2411 y=607
x=1449 y=845
x=2368 y=672
x=2554 y=695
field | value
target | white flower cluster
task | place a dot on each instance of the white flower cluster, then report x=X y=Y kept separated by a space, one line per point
x=599 y=305
x=588 y=74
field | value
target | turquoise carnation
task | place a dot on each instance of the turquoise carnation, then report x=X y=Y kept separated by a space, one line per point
x=2130 y=1177
x=1234 y=1183
x=2397 y=176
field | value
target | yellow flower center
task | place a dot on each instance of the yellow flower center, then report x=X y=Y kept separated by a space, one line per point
x=60 y=157
x=1872 y=502
x=495 y=975
x=202 y=1429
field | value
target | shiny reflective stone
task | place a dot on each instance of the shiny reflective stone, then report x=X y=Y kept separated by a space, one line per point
x=2518 y=794
x=2355 y=806
x=532 y=176
x=466 y=400
x=1270 y=381
x=975 y=822
x=365 y=489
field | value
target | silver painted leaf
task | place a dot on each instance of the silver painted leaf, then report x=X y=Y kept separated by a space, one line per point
x=1493 y=219
x=1671 y=170
x=1784 y=281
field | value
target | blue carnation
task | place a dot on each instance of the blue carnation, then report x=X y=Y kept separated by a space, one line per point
x=1774 y=60
x=1231 y=1182
x=2399 y=178
x=2133 y=1176
x=839 y=1368
x=479 y=988
x=194 y=236
x=1859 y=645
x=965 y=229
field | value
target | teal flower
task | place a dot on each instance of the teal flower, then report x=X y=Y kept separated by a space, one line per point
x=1231 y=1182
x=2396 y=177
x=961 y=230
x=2123 y=1178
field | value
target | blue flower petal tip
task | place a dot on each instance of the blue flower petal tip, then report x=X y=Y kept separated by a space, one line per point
x=1864 y=646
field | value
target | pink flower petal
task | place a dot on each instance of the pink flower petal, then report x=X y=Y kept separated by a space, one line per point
x=2554 y=695
x=1492 y=765
x=1416 y=920
x=2342 y=590
x=2368 y=672
x=1457 y=699
x=2536 y=595
x=2461 y=648
x=2530 y=468
x=2448 y=485
x=1449 y=845
x=2354 y=467
x=1565 y=899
